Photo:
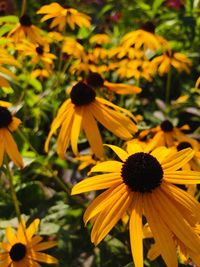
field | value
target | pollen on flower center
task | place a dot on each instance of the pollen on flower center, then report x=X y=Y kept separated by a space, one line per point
x=17 y=252
x=183 y=145
x=82 y=94
x=166 y=126
x=5 y=117
x=25 y=20
x=95 y=80
x=142 y=172
x=39 y=49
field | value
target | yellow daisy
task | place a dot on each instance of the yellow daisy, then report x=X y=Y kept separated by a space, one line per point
x=62 y=16
x=25 y=29
x=8 y=124
x=95 y=80
x=164 y=135
x=100 y=38
x=142 y=184
x=38 y=53
x=162 y=64
x=23 y=248
x=82 y=111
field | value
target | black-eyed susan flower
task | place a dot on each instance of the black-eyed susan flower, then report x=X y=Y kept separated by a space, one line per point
x=144 y=38
x=95 y=80
x=38 y=53
x=63 y=16
x=162 y=64
x=166 y=134
x=142 y=184
x=82 y=111
x=25 y=29
x=8 y=124
x=72 y=48
x=23 y=248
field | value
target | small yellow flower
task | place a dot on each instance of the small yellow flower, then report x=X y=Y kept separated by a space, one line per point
x=25 y=29
x=82 y=111
x=63 y=16
x=100 y=39
x=23 y=248
x=162 y=64
x=8 y=124
x=142 y=183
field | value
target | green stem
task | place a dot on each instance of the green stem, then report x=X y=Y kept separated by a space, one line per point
x=168 y=87
x=13 y=193
x=23 y=7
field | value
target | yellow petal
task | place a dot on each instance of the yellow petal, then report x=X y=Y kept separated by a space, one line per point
x=76 y=128
x=182 y=177
x=97 y=182
x=107 y=166
x=120 y=152
x=136 y=234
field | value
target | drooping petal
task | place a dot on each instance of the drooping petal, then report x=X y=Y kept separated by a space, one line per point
x=76 y=128
x=44 y=245
x=42 y=257
x=103 y=200
x=108 y=219
x=160 y=231
x=92 y=132
x=135 y=226
x=175 y=221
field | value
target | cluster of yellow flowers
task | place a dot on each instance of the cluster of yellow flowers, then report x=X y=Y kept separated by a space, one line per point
x=142 y=182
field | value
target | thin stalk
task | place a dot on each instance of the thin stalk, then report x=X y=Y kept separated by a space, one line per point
x=13 y=193
x=23 y=7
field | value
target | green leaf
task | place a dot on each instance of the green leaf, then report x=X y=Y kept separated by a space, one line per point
x=36 y=84
x=12 y=19
x=130 y=264
x=156 y=5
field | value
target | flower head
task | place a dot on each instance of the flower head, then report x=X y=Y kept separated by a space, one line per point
x=23 y=248
x=63 y=16
x=142 y=183
x=82 y=111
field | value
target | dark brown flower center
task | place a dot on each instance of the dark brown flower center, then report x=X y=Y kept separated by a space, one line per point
x=148 y=27
x=142 y=172
x=82 y=94
x=39 y=49
x=183 y=145
x=95 y=80
x=17 y=252
x=25 y=20
x=166 y=126
x=5 y=117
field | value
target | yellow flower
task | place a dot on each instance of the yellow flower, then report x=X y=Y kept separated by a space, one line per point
x=23 y=248
x=25 y=29
x=95 y=80
x=144 y=38
x=8 y=124
x=7 y=60
x=72 y=48
x=82 y=111
x=164 y=135
x=142 y=184
x=40 y=73
x=62 y=16
x=162 y=64
x=38 y=53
